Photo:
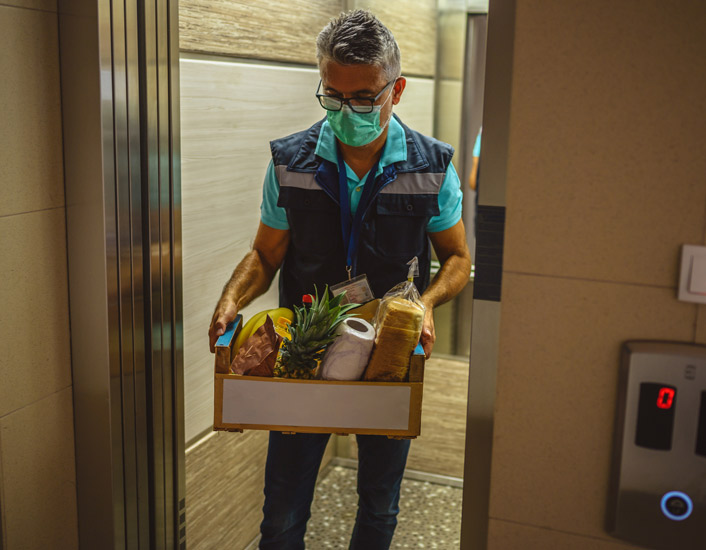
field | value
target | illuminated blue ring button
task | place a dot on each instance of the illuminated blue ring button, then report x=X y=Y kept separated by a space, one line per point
x=680 y=497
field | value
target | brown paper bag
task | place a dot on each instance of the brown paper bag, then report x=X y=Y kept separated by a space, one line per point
x=258 y=354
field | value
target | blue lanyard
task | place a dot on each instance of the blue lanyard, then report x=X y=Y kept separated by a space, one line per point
x=350 y=228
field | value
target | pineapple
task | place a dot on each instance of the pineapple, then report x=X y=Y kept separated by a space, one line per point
x=311 y=332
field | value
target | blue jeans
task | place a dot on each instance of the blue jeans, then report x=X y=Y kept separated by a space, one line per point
x=290 y=477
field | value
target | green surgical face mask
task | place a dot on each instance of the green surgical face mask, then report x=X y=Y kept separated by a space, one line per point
x=356 y=129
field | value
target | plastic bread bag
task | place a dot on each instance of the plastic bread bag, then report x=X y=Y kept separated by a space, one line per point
x=398 y=326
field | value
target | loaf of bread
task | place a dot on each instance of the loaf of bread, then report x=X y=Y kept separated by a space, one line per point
x=400 y=313
x=399 y=326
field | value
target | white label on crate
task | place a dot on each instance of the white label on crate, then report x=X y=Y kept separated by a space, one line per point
x=323 y=405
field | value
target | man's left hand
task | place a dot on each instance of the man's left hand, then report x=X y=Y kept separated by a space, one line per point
x=428 y=335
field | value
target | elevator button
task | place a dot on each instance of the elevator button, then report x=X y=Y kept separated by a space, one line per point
x=677 y=505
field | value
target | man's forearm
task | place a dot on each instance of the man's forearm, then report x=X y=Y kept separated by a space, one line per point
x=448 y=282
x=250 y=279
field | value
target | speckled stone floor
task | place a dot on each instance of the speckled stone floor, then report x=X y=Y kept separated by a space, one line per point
x=430 y=514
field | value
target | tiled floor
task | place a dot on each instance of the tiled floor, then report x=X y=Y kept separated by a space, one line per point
x=430 y=514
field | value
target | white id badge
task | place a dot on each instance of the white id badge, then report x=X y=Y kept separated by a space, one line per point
x=357 y=290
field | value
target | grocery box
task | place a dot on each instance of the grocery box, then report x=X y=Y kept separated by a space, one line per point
x=316 y=406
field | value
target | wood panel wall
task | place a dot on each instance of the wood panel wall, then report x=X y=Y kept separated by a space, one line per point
x=414 y=24
x=257 y=29
x=286 y=31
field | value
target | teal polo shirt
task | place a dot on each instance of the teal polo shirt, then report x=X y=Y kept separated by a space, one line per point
x=450 y=196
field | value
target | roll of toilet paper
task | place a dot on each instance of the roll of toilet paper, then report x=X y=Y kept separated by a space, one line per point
x=348 y=355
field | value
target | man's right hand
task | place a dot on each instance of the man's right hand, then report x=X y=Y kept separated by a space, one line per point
x=226 y=310
x=251 y=278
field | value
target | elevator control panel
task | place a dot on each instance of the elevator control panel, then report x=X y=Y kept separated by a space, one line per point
x=658 y=483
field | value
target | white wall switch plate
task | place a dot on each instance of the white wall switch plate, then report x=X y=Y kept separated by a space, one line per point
x=692 y=276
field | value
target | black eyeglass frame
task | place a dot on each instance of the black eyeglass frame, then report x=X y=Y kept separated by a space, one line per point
x=347 y=101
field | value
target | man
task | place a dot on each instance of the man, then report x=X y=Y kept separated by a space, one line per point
x=398 y=192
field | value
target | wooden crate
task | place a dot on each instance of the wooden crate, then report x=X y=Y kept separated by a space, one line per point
x=315 y=406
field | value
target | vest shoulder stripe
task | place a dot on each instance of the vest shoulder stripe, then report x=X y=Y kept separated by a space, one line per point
x=300 y=180
x=415 y=183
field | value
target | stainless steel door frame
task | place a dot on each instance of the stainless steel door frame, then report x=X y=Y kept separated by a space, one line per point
x=119 y=72
x=471 y=121
x=488 y=256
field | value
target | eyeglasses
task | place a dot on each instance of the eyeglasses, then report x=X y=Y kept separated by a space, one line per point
x=357 y=104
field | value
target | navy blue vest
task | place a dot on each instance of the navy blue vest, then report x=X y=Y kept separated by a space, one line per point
x=394 y=223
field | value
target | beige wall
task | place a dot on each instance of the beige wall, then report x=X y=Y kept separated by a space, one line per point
x=37 y=472
x=606 y=181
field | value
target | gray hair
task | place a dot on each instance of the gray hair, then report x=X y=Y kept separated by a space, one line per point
x=359 y=38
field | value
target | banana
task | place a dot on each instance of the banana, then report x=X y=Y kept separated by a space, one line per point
x=257 y=320
x=274 y=314
x=280 y=312
x=246 y=331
